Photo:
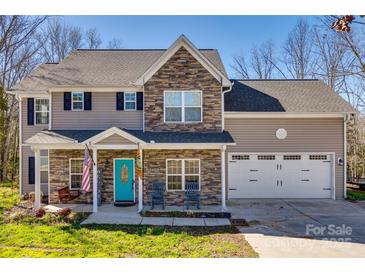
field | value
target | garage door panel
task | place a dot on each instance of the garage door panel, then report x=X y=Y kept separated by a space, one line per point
x=279 y=175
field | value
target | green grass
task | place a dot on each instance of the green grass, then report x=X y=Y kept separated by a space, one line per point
x=36 y=239
x=354 y=195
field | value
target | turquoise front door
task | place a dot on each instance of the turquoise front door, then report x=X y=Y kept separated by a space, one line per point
x=124 y=180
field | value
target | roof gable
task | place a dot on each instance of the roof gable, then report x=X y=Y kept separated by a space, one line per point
x=183 y=42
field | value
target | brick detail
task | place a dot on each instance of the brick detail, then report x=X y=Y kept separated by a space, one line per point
x=154 y=162
x=182 y=72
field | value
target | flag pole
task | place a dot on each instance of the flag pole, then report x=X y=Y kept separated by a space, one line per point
x=90 y=155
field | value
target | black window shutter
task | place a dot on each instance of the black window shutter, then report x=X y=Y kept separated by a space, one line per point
x=30 y=111
x=139 y=100
x=87 y=101
x=120 y=100
x=67 y=100
x=31 y=170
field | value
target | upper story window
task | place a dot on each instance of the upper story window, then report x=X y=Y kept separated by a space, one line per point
x=77 y=100
x=129 y=101
x=41 y=111
x=183 y=106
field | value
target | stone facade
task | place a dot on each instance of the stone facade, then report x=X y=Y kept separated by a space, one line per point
x=59 y=176
x=182 y=72
x=154 y=167
x=59 y=173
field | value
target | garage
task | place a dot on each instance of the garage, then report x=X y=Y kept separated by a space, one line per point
x=280 y=175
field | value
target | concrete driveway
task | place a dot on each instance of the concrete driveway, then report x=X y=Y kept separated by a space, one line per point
x=302 y=227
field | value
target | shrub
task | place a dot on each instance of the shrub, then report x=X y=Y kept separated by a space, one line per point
x=64 y=212
x=39 y=213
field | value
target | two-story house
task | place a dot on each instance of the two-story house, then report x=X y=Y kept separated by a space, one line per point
x=237 y=139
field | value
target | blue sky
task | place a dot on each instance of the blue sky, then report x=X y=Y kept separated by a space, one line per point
x=229 y=34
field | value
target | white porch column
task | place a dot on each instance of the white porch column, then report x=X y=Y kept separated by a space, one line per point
x=95 y=180
x=37 y=187
x=223 y=169
x=140 y=186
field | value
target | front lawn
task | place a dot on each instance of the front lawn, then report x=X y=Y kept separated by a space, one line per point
x=355 y=195
x=37 y=238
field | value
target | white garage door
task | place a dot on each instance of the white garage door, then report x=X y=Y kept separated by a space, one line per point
x=280 y=175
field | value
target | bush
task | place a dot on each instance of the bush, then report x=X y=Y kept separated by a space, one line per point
x=64 y=212
x=39 y=213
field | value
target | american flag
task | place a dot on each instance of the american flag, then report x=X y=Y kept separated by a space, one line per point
x=86 y=171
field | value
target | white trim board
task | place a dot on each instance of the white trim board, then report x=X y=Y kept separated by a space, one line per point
x=109 y=132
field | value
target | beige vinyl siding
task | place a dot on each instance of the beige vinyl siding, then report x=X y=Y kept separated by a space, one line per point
x=304 y=135
x=115 y=139
x=29 y=131
x=26 y=187
x=102 y=116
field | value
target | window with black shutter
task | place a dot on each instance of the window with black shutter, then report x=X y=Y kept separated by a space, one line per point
x=87 y=101
x=31 y=170
x=120 y=101
x=139 y=100
x=67 y=100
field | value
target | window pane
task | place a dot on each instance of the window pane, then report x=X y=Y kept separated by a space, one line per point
x=44 y=177
x=174 y=166
x=130 y=96
x=42 y=104
x=192 y=114
x=76 y=181
x=174 y=182
x=130 y=105
x=173 y=114
x=191 y=166
x=192 y=99
x=44 y=163
x=77 y=96
x=41 y=117
x=192 y=179
x=76 y=166
x=77 y=105
x=173 y=99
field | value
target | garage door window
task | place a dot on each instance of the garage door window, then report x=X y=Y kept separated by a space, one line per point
x=240 y=157
x=266 y=157
x=318 y=157
x=178 y=172
x=292 y=157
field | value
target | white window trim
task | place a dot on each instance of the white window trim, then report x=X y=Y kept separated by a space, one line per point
x=72 y=100
x=69 y=173
x=132 y=101
x=182 y=107
x=40 y=168
x=35 y=110
x=182 y=173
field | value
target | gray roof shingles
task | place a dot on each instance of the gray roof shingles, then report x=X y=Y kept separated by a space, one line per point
x=100 y=68
x=284 y=96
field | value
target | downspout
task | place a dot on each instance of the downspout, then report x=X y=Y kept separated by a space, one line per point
x=346 y=119
x=222 y=100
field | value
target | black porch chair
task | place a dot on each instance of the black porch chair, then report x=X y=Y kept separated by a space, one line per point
x=158 y=194
x=192 y=195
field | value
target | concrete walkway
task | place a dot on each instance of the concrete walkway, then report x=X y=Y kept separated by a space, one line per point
x=109 y=214
x=116 y=218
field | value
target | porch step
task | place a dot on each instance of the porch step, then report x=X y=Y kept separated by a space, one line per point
x=124 y=203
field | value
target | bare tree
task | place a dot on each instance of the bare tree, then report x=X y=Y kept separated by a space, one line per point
x=240 y=67
x=115 y=43
x=299 y=57
x=60 y=40
x=92 y=39
x=18 y=49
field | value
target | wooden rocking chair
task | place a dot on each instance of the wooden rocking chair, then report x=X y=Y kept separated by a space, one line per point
x=66 y=195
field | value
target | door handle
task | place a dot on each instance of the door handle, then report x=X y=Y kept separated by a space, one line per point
x=277 y=182
x=281 y=183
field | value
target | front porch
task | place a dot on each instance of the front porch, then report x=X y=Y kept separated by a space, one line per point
x=200 y=163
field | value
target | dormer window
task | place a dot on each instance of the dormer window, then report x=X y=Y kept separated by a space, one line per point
x=183 y=106
x=77 y=100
